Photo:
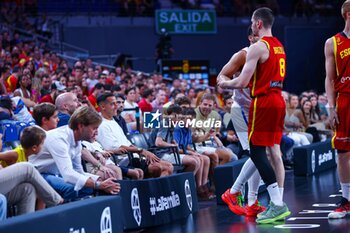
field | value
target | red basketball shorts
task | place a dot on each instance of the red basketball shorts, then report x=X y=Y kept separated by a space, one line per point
x=341 y=138
x=266 y=119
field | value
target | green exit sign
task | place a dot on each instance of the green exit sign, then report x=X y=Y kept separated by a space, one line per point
x=186 y=21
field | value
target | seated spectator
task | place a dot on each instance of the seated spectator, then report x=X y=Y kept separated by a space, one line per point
x=293 y=125
x=319 y=119
x=200 y=95
x=130 y=103
x=101 y=78
x=66 y=104
x=183 y=138
x=32 y=139
x=60 y=160
x=220 y=95
x=192 y=95
x=175 y=94
x=96 y=164
x=6 y=108
x=159 y=101
x=104 y=157
x=116 y=90
x=78 y=91
x=71 y=82
x=228 y=137
x=23 y=84
x=45 y=85
x=145 y=103
x=20 y=110
x=205 y=112
x=227 y=132
x=164 y=137
x=21 y=183
x=118 y=118
x=304 y=116
x=323 y=102
x=56 y=89
x=294 y=128
x=46 y=116
x=226 y=117
x=10 y=80
x=111 y=136
x=183 y=102
x=91 y=79
x=98 y=90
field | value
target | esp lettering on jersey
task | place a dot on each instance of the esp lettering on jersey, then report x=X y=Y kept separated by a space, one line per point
x=342 y=60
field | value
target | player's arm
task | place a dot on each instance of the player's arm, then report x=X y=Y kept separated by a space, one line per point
x=232 y=66
x=330 y=76
x=255 y=52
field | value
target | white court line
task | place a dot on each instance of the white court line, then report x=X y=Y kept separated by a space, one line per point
x=335 y=195
x=297 y=226
x=304 y=218
x=324 y=205
x=315 y=211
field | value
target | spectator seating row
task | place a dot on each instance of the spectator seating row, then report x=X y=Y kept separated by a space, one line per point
x=143 y=141
x=11 y=130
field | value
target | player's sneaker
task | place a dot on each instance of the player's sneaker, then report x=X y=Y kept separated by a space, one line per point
x=264 y=212
x=342 y=210
x=234 y=202
x=274 y=213
x=254 y=210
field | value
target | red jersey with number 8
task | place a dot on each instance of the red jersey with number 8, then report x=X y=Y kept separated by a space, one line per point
x=269 y=75
x=267 y=110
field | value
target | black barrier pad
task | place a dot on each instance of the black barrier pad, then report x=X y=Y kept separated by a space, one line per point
x=314 y=158
x=158 y=201
x=80 y=216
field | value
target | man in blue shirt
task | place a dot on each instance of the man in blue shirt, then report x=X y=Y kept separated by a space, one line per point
x=66 y=104
x=183 y=137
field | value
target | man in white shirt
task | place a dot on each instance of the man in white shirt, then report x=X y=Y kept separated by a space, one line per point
x=111 y=136
x=60 y=159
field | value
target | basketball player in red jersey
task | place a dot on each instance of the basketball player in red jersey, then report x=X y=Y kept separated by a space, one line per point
x=337 y=52
x=264 y=71
x=239 y=118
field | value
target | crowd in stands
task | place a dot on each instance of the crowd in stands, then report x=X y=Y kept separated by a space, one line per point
x=231 y=7
x=12 y=11
x=79 y=115
x=24 y=16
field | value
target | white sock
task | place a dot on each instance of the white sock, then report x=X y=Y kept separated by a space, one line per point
x=345 y=190
x=247 y=171
x=281 y=191
x=253 y=187
x=275 y=194
x=252 y=197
